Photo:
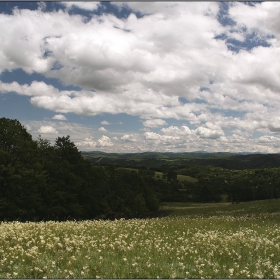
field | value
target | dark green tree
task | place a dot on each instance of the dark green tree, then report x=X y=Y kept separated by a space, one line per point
x=130 y=196
x=21 y=174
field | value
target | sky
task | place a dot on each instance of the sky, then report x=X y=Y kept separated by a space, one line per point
x=144 y=76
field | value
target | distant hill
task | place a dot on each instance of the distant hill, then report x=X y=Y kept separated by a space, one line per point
x=165 y=161
x=157 y=155
x=259 y=160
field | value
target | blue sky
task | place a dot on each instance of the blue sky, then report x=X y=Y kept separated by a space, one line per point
x=144 y=76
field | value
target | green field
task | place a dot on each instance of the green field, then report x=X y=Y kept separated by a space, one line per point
x=158 y=175
x=227 y=208
x=180 y=178
x=195 y=241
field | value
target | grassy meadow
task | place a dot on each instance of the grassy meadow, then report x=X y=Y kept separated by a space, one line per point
x=219 y=240
x=226 y=208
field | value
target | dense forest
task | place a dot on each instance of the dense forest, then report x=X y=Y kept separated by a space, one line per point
x=40 y=181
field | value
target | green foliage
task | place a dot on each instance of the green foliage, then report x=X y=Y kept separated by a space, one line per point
x=39 y=181
x=21 y=174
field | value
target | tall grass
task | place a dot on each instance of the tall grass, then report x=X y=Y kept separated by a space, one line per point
x=193 y=246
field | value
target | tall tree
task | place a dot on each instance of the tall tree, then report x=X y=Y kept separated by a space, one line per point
x=21 y=176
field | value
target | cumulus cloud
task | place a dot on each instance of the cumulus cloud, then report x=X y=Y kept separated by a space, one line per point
x=162 y=61
x=264 y=17
x=102 y=129
x=208 y=133
x=142 y=66
x=59 y=117
x=152 y=136
x=175 y=130
x=111 y=58
x=47 y=130
x=87 y=143
x=154 y=123
x=104 y=141
x=89 y=6
x=268 y=139
x=28 y=127
x=130 y=137
x=91 y=103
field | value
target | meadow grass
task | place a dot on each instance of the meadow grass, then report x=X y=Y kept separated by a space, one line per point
x=220 y=245
x=225 y=208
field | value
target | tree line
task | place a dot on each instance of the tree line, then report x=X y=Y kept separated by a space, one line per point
x=235 y=185
x=40 y=181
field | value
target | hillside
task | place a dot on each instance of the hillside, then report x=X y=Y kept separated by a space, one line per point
x=167 y=161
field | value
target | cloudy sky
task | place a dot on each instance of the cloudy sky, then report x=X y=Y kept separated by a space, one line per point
x=144 y=76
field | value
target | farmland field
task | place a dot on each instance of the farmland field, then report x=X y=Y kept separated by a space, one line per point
x=196 y=240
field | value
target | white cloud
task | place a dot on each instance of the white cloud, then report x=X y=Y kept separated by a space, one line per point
x=130 y=137
x=28 y=127
x=263 y=17
x=141 y=66
x=170 y=9
x=76 y=131
x=111 y=58
x=102 y=129
x=41 y=5
x=59 y=117
x=47 y=130
x=154 y=123
x=162 y=61
x=104 y=141
x=90 y=6
x=87 y=143
x=90 y=103
x=175 y=130
x=152 y=136
x=209 y=133
x=269 y=139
